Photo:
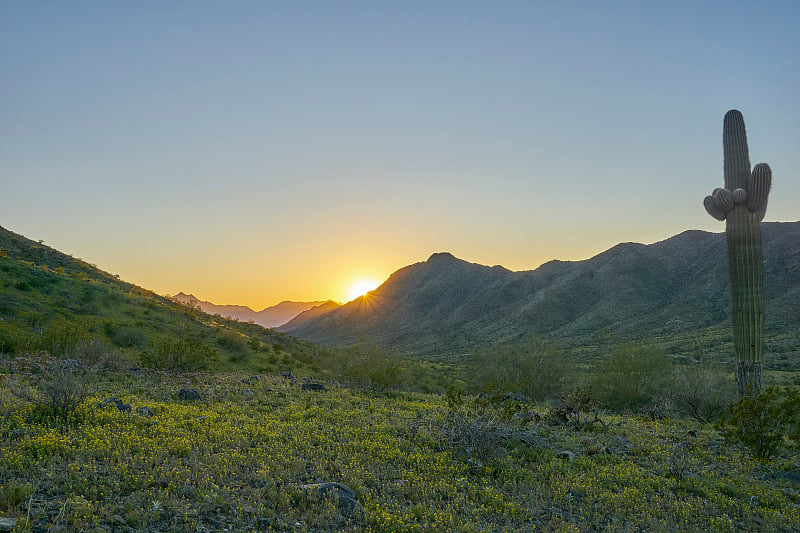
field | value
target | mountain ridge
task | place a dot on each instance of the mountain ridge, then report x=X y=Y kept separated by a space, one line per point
x=269 y=317
x=445 y=306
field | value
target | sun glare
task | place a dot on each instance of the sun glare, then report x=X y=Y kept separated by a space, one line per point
x=360 y=288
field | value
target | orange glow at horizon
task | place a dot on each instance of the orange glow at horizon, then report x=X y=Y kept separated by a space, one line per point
x=360 y=288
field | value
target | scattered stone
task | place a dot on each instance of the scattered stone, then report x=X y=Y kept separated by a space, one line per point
x=287 y=374
x=269 y=389
x=8 y=524
x=199 y=418
x=144 y=411
x=313 y=386
x=136 y=371
x=188 y=395
x=691 y=433
x=124 y=407
x=346 y=498
x=566 y=455
x=248 y=393
x=108 y=401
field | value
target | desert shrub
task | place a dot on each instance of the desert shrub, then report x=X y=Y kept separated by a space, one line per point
x=534 y=369
x=370 y=366
x=235 y=344
x=61 y=336
x=702 y=393
x=126 y=336
x=763 y=422
x=179 y=355
x=59 y=394
x=481 y=426
x=14 y=493
x=14 y=339
x=579 y=409
x=96 y=351
x=633 y=377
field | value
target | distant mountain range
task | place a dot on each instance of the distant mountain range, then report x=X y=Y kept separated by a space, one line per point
x=271 y=317
x=444 y=306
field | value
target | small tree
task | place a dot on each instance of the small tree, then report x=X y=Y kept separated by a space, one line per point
x=534 y=368
x=632 y=376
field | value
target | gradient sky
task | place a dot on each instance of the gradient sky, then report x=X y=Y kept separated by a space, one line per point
x=252 y=152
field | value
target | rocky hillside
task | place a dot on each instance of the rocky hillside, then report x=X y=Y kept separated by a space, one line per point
x=445 y=306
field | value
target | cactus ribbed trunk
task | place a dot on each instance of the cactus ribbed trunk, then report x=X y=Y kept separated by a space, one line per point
x=745 y=264
x=742 y=204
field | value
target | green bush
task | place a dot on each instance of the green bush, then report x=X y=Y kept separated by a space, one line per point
x=633 y=377
x=61 y=336
x=234 y=343
x=763 y=422
x=125 y=336
x=58 y=396
x=14 y=339
x=179 y=355
x=534 y=369
x=369 y=366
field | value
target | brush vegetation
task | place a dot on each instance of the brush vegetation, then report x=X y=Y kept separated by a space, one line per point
x=123 y=410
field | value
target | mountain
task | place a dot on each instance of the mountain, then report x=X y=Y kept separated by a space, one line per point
x=444 y=307
x=271 y=317
x=312 y=314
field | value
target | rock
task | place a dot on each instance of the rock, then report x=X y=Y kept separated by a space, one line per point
x=109 y=401
x=248 y=393
x=691 y=433
x=287 y=374
x=124 y=407
x=8 y=524
x=313 y=386
x=144 y=411
x=566 y=455
x=188 y=395
x=346 y=498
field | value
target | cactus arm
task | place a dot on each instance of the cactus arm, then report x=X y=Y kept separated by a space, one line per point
x=758 y=188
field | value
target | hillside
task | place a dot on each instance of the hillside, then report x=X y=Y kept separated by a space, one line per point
x=670 y=291
x=270 y=317
x=52 y=302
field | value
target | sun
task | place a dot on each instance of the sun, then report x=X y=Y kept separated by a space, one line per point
x=361 y=287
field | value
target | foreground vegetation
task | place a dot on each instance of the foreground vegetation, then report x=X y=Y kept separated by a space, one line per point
x=121 y=410
x=248 y=453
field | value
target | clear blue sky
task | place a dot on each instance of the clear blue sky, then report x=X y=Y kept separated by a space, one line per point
x=251 y=152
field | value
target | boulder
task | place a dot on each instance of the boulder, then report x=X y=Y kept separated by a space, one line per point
x=111 y=400
x=566 y=455
x=144 y=411
x=188 y=395
x=345 y=497
x=8 y=524
x=313 y=386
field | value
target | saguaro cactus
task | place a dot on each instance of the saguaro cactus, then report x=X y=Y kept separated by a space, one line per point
x=742 y=205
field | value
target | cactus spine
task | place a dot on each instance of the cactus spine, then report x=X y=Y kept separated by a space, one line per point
x=742 y=205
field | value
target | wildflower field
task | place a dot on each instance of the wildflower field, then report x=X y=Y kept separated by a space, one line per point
x=248 y=455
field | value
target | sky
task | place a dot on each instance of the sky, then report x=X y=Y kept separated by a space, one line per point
x=250 y=152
